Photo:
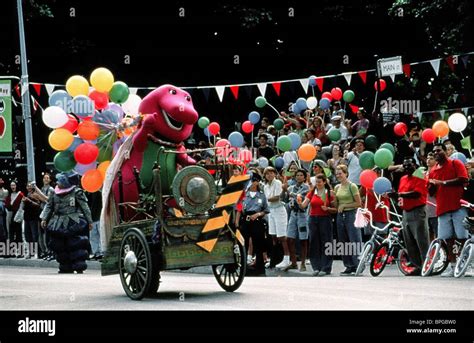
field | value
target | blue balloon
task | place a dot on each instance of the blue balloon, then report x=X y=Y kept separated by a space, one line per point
x=324 y=103
x=61 y=99
x=382 y=185
x=459 y=156
x=301 y=104
x=263 y=162
x=75 y=143
x=279 y=162
x=236 y=139
x=295 y=140
x=82 y=106
x=254 y=117
x=81 y=169
x=206 y=132
x=312 y=80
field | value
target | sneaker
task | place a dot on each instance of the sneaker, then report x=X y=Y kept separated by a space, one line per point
x=291 y=266
x=302 y=267
x=348 y=272
x=315 y=273
x=449 y=272
x=283 y=264
x=267 y=264
x=249 y=259
x=321 y=273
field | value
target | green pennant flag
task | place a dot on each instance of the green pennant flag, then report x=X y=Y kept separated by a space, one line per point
x=466 y=143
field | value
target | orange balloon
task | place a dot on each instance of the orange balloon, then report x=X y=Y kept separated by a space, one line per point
x=60 y=139
x=92 y=180
x=103 y=168
x=307 y=152
x=440 y=128
x=88 y=130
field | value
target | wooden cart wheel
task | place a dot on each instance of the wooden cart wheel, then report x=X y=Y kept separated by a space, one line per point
x=230 y=276
x=135 y=264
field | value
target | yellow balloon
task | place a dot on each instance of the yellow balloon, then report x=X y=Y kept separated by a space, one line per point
x=60 y=139
x=77 y=85
x=102 y=168
x=102 y=79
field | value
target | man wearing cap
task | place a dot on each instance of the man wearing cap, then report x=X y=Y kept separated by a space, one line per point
x=336 y=122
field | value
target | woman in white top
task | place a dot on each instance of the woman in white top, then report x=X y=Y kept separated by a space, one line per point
x=277 y=218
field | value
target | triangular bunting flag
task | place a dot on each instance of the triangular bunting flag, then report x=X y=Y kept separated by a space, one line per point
x=419 y=115
x=348 y=77
x=407 y=70
x=277 y=87
x=207 y=92
x=37 y=88
x=220 y=92
x=34 y=103
x=455 y=97
x=17 y=90
x=363 y=76
x=392 y=76
x=262 y=87
x=465 y=110
x=450 y=61
x=354 y=108
x=235 y=91
x=14 y=102
x=435 y=65
x=465 y=60
x=441 y=112
x=133 y=90
x=49 y=88
x=320 y=83
x=304 y=83
x=466 y=143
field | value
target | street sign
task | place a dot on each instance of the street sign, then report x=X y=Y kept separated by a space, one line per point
x=389 y=66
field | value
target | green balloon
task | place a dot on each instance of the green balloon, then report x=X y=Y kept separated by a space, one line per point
x=366 y=160
x=284 y=143
x=203 y=122
x=371 y=142
x=64 y=161
x=105 y=153
x=260 y=102
x=348 y=96
x=119 y=92
x=383 y=158
x=334 y=135
x=278 y=124
x=389 y=147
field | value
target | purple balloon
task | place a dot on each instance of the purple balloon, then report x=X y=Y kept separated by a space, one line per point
x=117 y=108
x=75 y=143
x=82 y=168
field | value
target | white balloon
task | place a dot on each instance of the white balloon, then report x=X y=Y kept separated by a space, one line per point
x=54 y=117
x=457 y=122
x=263 y=162
x=311 y=102
x=131 y=105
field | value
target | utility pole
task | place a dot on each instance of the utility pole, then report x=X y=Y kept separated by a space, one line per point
x=25 y=97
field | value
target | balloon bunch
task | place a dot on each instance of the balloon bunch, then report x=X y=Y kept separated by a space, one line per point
x=457 y=122
x=90 y=123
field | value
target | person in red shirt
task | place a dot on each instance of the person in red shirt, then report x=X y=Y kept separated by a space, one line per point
x=412 y=194
x=322 y=204
x=447 y=179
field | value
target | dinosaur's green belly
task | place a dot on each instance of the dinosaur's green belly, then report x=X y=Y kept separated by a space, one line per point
x=167 y=163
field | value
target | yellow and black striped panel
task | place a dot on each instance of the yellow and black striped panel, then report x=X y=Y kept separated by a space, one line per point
x=210 y=232
x=233 y=191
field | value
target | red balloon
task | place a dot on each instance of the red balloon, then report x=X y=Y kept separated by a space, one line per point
x=86 y=153
x=214 y=128
x=224 y=147
x=367 y=178
x=247 y=126
x=383 y=85
x=428 y=136
x=101 y=100
x=400 y=129
x=336 y=93
x=245 y=156
x=327 y=95
x=71 y=124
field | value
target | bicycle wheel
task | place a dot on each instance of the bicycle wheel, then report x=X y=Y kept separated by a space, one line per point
x=402 y=263
x=435 y=261
x=464 y=260
x=365 y=258
x=379 y=259
x=442 y=262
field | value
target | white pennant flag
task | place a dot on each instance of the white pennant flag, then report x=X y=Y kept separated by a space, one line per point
x=133 y=90
x=348 y=77
x=392 y=76
x=262 y=87
x=435 y=65
x=455 y=97
x=220 y=92
x=49 y=88
x=14 y=102
x=442 y=112
x=304 y=84
x=465 y=109
x=419 y=114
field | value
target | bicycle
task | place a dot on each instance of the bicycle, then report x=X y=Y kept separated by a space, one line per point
x=436 y=260
x=467 y=253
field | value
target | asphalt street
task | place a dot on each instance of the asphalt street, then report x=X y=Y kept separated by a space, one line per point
x=33 y=288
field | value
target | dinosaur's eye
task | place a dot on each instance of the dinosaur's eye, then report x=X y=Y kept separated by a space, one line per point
x=172 y=91
x=188 y=98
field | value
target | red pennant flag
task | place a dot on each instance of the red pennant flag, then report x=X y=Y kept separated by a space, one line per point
x=17 y=89
x=450 y=60
x=277 y=87
x=407 y=70
x=235 y=91
x=37 y=87
x=354 y=108
x=363 y=76
x=320 y=83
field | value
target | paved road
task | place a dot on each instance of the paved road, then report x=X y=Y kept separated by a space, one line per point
x=26 y=288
